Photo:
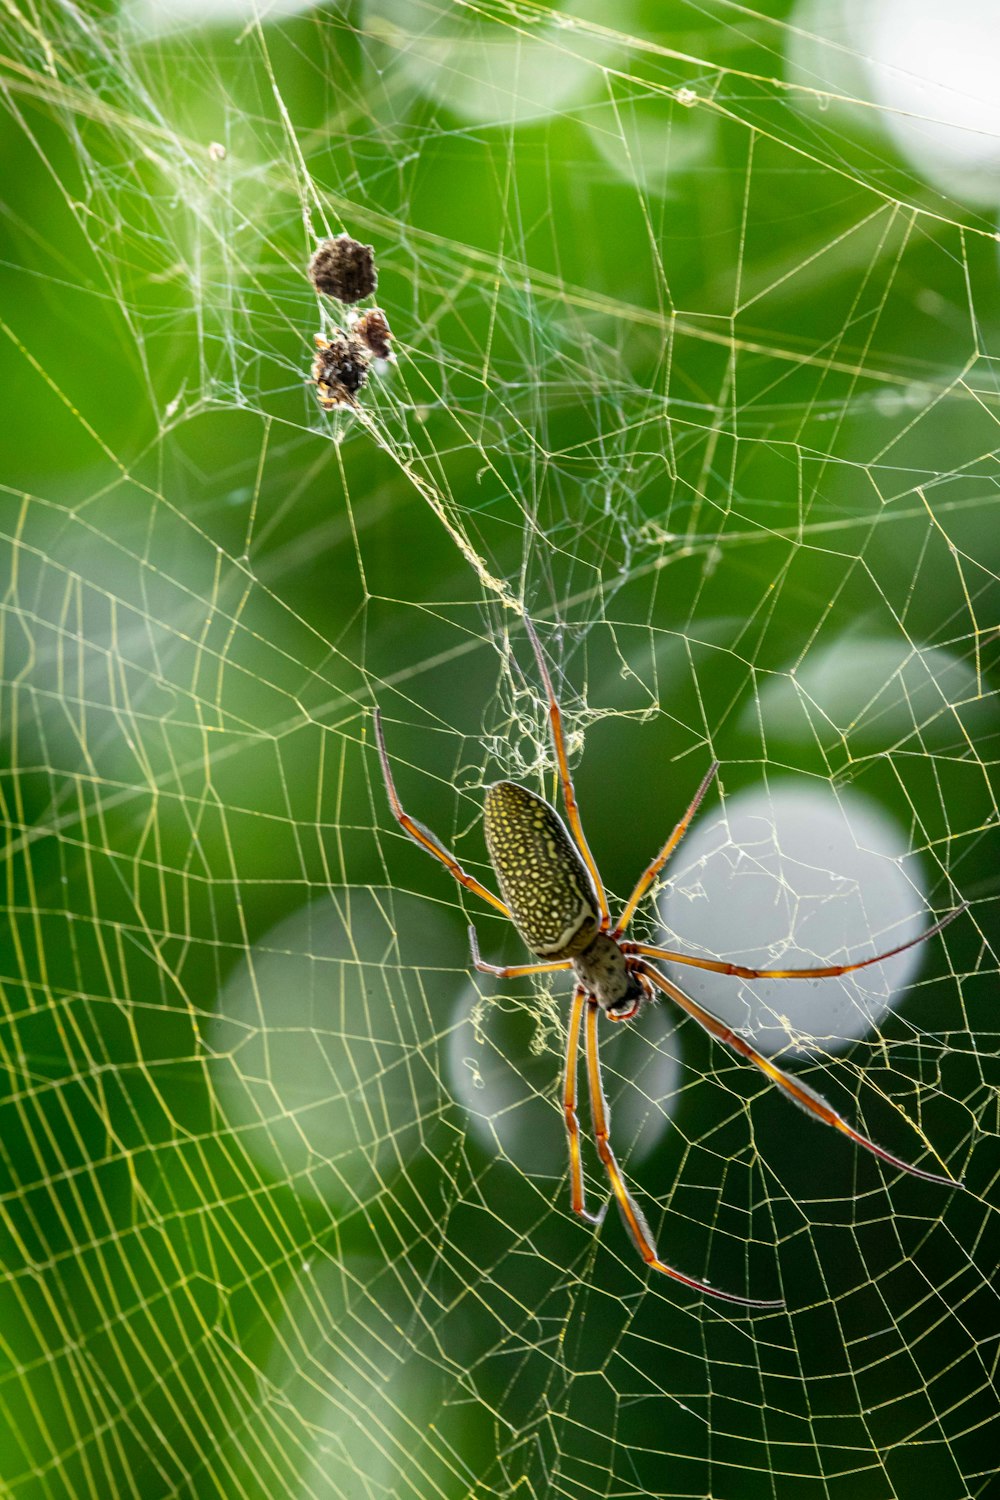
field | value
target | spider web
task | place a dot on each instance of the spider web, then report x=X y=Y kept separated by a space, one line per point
x=695 y=367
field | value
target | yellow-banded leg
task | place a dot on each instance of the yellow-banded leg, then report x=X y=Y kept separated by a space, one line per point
x=797 y=1091
x=652 y=870
x=827 y=971
x=566 y=780
x=577 y=1197
x=422 y=835
x=635 y=1223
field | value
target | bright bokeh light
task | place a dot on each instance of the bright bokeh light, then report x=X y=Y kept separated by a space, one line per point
x=888 y=692
x=483 y=78
x=505 y=1065
x=159 y=17
x=930 y=69
x=796 y=877
x=653 y=142
x=934 y=69
x=307 y=1059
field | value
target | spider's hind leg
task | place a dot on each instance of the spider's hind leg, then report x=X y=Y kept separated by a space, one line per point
x=577 y=1197
x=635 y=1222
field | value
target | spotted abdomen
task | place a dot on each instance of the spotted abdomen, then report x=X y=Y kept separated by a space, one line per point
x=542 y=877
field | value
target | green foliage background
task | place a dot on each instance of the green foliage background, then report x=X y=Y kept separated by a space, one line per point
x=717 y=410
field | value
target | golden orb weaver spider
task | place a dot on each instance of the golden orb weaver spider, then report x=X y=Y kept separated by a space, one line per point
x=553 y=894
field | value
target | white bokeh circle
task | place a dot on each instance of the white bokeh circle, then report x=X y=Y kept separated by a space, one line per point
x=486 y=75
x=930 y=70
x=321 y=1045
x=795 y=875
x=505 y=1065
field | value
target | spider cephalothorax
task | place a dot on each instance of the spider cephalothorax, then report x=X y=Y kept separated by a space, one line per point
x=552 y=892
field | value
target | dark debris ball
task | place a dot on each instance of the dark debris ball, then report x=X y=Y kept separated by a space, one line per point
x=344 y=268
x=340 y=369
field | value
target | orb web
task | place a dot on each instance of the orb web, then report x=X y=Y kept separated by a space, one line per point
x=695 y=364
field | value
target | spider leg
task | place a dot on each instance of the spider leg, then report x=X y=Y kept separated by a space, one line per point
x=651 y=871
x=566 y=781
x=630 y=1211
x=423 y=836
x=577 y=1197
x=829 y=971
x=800 y=1093
x=518 y=970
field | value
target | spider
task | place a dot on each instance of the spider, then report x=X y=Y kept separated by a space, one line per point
x=553 y=894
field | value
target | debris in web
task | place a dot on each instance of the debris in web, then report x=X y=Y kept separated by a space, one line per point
x=372 y=328
x=344 y=268
x=340 y=368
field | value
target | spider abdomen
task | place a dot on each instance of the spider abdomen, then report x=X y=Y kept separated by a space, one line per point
x=542 y=876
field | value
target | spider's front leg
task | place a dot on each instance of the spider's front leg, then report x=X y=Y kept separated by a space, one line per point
x=423 y=836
